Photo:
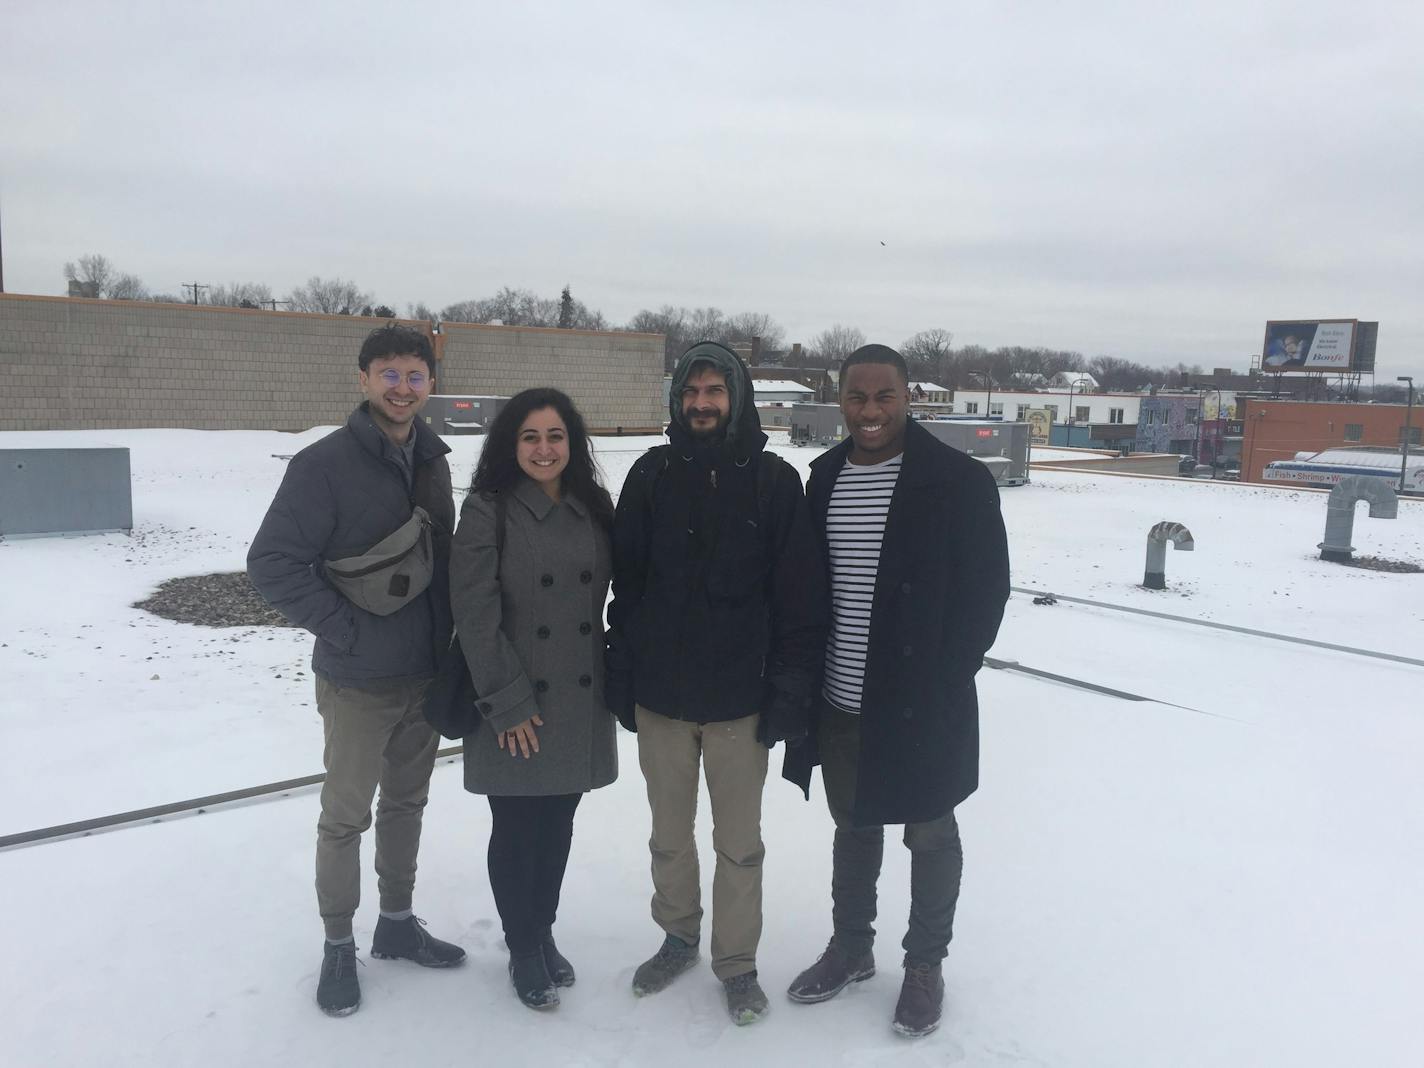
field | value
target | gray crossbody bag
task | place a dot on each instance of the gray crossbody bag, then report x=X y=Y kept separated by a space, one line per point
x=390 y=574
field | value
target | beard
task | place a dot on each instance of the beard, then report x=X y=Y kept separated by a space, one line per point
x=705 y=433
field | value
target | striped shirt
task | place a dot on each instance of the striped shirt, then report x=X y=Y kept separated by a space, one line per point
x=855 y=527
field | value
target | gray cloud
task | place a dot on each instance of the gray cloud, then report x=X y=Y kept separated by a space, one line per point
x=1150 y=181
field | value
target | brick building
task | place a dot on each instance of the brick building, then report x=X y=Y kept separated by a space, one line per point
x=1278 y=429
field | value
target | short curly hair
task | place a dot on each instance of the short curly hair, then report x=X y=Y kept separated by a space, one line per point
x=396 y=340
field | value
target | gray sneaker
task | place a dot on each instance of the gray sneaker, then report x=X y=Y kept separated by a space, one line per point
x=673 y=958
x=746 y=1001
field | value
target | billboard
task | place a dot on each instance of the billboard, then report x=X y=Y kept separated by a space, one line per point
x=1318 y=345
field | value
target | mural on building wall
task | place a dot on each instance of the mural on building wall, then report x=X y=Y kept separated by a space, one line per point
x=1166 y=424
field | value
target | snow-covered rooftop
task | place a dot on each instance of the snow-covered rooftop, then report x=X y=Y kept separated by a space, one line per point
x=1144 y=881
x=780 y=385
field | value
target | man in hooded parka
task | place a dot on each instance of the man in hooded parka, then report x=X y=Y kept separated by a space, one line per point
x=716 y=632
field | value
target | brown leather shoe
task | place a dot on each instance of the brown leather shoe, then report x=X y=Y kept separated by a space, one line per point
x=832 y=973
x=921 y=999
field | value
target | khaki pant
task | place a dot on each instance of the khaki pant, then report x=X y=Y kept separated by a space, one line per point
x=669 y=752
x=374 y=736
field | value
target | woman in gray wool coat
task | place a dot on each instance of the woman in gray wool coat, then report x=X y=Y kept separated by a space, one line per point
x=528 y=607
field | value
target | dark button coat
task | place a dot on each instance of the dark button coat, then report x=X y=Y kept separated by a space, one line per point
x=531 y=627
x=939 y=597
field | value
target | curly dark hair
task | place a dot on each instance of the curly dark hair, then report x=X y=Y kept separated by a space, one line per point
x=395 y=340
x=498 y=470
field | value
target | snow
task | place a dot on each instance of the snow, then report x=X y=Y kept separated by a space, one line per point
x=1231 y=882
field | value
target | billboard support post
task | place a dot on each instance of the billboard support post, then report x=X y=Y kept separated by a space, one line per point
x=1408 y=429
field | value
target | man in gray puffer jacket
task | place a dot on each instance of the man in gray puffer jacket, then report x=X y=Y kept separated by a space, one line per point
x=341 y=497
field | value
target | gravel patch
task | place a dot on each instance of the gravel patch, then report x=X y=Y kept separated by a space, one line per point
x=227 y=599
x=1379 y=563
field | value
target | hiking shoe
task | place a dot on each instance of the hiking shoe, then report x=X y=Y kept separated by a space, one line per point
x=746 y=1001
x=832 y=973
x=532 y=983
x=406 y=940
x=673 y=958
x=560 y=970
x=921 y=999
x=338 y=991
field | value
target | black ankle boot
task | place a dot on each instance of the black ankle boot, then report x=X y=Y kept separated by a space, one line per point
x=531 y=979
x=407 y=940
x=560 y=970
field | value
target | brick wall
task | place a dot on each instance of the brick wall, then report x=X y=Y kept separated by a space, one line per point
x=71 y=363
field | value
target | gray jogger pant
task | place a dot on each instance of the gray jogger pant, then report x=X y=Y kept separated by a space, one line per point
x=936 y=856
x=375 y=736
x=670 y=752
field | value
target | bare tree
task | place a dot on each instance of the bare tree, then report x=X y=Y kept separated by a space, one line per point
x=671 y=323
x=239 y=295
x=523 y=307
x=96 y=275
x=332 y=296
x=512 y=307
x=928 y=353
x=127 y=287
x=746 y=325
x=837 y=343
x=420 y=310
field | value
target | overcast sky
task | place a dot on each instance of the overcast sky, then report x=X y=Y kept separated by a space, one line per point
x=1150 y=181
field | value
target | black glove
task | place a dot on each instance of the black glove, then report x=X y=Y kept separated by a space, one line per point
x=784 y=720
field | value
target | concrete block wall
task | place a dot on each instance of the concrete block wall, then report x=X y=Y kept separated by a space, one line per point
x=615 y=379
x=72 y=363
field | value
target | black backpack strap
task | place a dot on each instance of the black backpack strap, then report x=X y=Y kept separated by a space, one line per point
x=766 y=487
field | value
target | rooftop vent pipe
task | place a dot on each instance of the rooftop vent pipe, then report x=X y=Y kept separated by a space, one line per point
x=1340 y=512
x=1155 y=577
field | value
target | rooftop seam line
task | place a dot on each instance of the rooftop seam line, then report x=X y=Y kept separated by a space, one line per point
x=1394 y=657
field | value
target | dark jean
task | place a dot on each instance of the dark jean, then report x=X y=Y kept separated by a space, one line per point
x=936 y=856
x=528 y=852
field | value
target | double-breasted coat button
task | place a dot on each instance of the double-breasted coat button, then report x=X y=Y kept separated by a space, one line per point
x=541 y=686
x=585 y=577
x=486 y=708
x=546 y=580
x=543 y=632
x=585 y=627
x=905 y=587
x=908 y=713
x=908 y=650
x=585 y=681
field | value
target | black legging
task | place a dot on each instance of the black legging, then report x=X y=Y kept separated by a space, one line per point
x=528 y=851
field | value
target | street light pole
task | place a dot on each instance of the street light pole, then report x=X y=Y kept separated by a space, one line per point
x=1408 y=429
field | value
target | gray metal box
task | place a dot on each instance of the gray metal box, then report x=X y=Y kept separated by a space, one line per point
x=450 y=414
x=986 y=438
x=816 y=424
x=64 y=491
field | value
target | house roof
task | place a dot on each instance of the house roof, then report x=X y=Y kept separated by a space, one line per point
x=930 y=387
x=779 y=385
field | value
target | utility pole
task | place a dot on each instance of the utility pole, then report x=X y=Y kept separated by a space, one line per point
x=195 y=286
x=2 y=262
x=1408 y=429
x=274 y=303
